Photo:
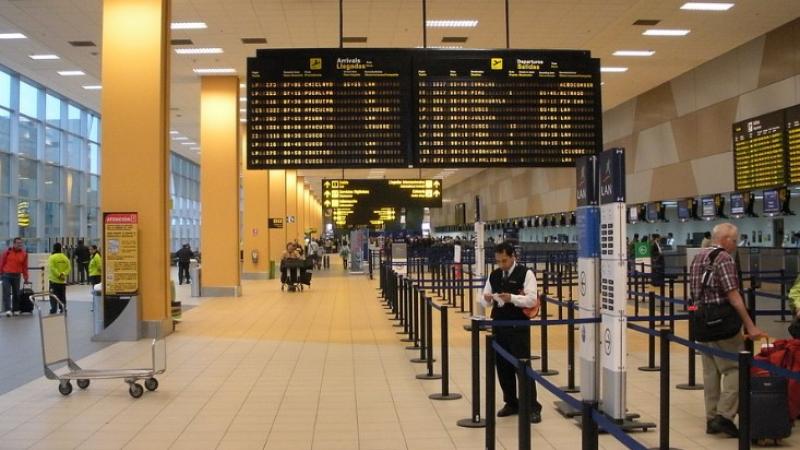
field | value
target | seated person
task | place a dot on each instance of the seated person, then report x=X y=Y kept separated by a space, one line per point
x=289 y=254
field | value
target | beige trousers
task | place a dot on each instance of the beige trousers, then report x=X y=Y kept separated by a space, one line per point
x=721 y=379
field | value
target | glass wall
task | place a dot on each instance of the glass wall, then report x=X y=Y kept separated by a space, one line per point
x=49 y=148
x=185 y=192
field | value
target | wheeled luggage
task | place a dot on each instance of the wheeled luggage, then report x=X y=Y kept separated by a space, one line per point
x=769 y=410
x=305 y=278
x=25 y=301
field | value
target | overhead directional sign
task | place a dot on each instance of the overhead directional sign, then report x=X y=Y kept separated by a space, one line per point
x=375 y=202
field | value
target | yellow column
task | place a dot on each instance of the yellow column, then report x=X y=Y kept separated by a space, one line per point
x=301 y=209
x=291 y=205
x=277 y=211
x=219 y=186
x=135 y=163
x=256 y=214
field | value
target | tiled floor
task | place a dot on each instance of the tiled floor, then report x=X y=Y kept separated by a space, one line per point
x=322 y=369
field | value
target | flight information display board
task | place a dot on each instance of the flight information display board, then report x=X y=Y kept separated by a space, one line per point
x=793 y=143
x=506 y=108
x=758 y=152
x=375 y=202
x=327 y=108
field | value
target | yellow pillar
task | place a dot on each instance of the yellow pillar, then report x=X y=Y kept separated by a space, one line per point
x=291 y=205
x=256 y=215
x=277 y=212
x=219 y=186
x=135 y=163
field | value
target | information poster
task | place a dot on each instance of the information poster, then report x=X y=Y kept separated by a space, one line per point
x=121 y=255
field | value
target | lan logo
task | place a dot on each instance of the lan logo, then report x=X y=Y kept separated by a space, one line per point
x=315 y=63
x=497 y=63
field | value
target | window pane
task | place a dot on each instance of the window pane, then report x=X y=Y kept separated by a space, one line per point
x=74 y=119
x=5 y=219
x=27 y=178
x=92 y=192
x=26 y=219
x=72 y=224
x=5 y=89
x=52 y=145
x=52 y=183
x=94 y=158
x=5 y=129
x=5 y=176
x=52 y=219
x=74 y=152
x=28 y=136
x=93 y=224
x=28 y=100
x=74 y=187
x=94 y=128
x=53 y=111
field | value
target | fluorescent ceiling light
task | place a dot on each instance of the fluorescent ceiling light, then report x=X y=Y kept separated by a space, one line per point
x=43 y=57
x=199 y=51
x=243 y=110
x=242 y=85
x=174 y=132
x=634 y=53
x=92 y=87
x=188 y=26
x=452 y=23
x=71 y=73
x=195 y=148
x=614 y=69
x=12 y=36
x=242 y=120
x=180 y=138
x=188 y=143
x=214 y=71
x=242 y=99
x=665 y=32
x=706 y=6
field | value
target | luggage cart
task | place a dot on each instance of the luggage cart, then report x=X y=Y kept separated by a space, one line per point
x=55 y=356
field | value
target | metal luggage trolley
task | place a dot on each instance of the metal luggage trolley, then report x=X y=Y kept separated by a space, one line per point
x=55 y=354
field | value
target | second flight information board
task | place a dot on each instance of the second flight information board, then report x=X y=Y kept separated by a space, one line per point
x=347 y=108
x=793 y=143
x=759 y=152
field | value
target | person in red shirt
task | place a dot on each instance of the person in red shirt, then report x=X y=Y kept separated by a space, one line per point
x=13 y=266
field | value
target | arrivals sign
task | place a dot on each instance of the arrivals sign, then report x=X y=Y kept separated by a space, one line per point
x=121 y=255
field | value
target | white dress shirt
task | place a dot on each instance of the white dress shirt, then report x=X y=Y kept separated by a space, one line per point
x=529 y=289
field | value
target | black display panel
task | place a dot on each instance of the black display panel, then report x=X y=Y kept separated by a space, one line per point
x=737 y=204
x=683 y=210
x=793 y=144
x=327 y=108
x=652 y=210
x=708 y=207
x=495 y=108
x=376 y=202
x=758 y=152
x=772 y=201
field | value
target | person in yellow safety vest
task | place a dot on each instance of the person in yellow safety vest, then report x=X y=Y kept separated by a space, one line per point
x=794 y=297
x=59 y=267
x=95 y=267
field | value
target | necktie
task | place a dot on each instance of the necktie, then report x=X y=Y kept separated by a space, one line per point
x=505 y=276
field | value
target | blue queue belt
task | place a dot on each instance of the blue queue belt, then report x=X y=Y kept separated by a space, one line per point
x=616 y=431
x=532 y=323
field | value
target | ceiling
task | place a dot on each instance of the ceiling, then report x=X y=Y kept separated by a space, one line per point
x=601 y=26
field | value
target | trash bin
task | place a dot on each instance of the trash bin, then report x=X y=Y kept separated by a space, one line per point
x=272 y=270
x=97 y=308
x=195 y=274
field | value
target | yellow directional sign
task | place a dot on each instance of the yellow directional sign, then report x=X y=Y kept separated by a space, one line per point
x=497 y=63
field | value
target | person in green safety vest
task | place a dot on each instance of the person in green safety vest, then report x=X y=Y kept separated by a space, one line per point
x=58 y=266
x=95 y=267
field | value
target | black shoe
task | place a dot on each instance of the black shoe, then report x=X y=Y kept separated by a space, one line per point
x=507 y=410
x=536 y=417
x=723 y=425
x=710 y=428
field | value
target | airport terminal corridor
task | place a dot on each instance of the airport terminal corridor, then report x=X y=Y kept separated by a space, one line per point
x=319 y=369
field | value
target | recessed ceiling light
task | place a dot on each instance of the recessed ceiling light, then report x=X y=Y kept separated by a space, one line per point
x=195 y=148
x=12 y=36
x=242 y=99
x=602 y=83
x=92 y=87
x=180 y=138
x=214 y=71
x=242 y=85
x=614 y=69
x=706 y=6
x=665 y=32
x=174 y=132
x=71 y=73
x=452 y=23
x=188 y=26
x=634 y=53
x=199 y=51
x=43 y=57
x=243 y=110
x=188 y=143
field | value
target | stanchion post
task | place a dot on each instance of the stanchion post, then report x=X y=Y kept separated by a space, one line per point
x=664 y=401
x=429 y=344
x=651 y=340
x=744 y=400
x=491 y=386
x=751 y=310
x=692 y=384
x=445 y=357
x=672 y=305
x=545 y=371
x=635 y=292
x=475 y=421
x=471 y=291
x=570 y=388
x=524 y=388
x=589 y=430
x=662 y=295
x=560 y=295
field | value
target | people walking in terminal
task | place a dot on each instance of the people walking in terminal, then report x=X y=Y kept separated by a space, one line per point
x=81 y=256
x=13 y=266
x=289 y=275
x=313 y=247
x=706 y=240
x=717 y=323
x=59 y=267
x=95 y=267
x=344 y=252
x=509 y=290
x=185 y=256
x=670 y=241
x=657 y=265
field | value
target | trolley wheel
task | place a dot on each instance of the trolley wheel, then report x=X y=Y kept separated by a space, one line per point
x=83 y=384
x=151 y=384
x=136 y=390
x=65 y=387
